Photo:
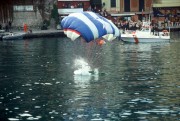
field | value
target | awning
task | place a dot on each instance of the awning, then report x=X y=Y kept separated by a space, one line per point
x=129 y=13
x=122 y=14
x=166 y=3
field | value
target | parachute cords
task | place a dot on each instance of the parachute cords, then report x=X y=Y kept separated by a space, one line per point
x=96 y=54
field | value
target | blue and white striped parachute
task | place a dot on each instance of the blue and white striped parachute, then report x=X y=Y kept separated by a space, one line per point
x=89 y=25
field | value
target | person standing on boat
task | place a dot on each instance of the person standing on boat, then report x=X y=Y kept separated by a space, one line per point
x=127 y=25
x=25 y=27
x=0 y=26
x=156 y=28
x=152 y=25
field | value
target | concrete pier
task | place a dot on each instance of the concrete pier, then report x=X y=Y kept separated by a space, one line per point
x=44 y=33
x=37 y=33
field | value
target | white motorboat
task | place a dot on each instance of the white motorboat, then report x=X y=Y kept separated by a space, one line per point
x=145 y=35
x=13 y=36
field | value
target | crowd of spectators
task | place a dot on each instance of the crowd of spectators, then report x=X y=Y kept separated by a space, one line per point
x=69 y=5
x=129 y=24
x=122 y=23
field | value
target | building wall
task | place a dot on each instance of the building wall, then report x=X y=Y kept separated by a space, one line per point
x=22 y=2
x=18 y=17
x=32 y=19
x=121 y=5
x=117 y=8
x=148 y=5
x=112 y=9
x=6 y=11
x=134 y=5
x=107 y=4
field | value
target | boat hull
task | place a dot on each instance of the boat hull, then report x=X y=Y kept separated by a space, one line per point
x=145 y=37
x=13 y=36
x=144 y=40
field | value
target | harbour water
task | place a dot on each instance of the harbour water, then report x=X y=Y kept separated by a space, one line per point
x=129 y=82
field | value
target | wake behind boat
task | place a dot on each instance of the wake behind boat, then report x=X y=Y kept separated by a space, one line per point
x=13 y=36
x=145 y=35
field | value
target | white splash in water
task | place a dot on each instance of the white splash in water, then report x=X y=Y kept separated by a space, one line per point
x=13 y=119
x=83 y=74
x=25 y=115
x=82 y=66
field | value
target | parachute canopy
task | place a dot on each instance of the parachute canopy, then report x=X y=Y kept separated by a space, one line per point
x=89 y=25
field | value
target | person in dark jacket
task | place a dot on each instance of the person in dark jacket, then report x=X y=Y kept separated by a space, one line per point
x=0 y=26
x=7 y=28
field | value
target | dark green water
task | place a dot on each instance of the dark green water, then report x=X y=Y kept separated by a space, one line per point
x=136 y=82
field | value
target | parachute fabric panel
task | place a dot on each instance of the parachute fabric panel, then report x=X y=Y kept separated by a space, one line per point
x=72 y=34
x=89 y=25
x=109 y=37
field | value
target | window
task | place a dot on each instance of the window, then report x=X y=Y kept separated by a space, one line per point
x=113 y=3
x=126 y=5
x=141 y=5
x=23 y=8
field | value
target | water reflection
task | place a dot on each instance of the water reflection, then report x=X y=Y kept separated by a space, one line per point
x=133 y=81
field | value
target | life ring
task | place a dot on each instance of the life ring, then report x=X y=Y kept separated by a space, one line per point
x=133 y=32
x=165 y=32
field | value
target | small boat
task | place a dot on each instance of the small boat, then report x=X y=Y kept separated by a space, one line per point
x=13 y=36
x=145 y=35
x=2 y=31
